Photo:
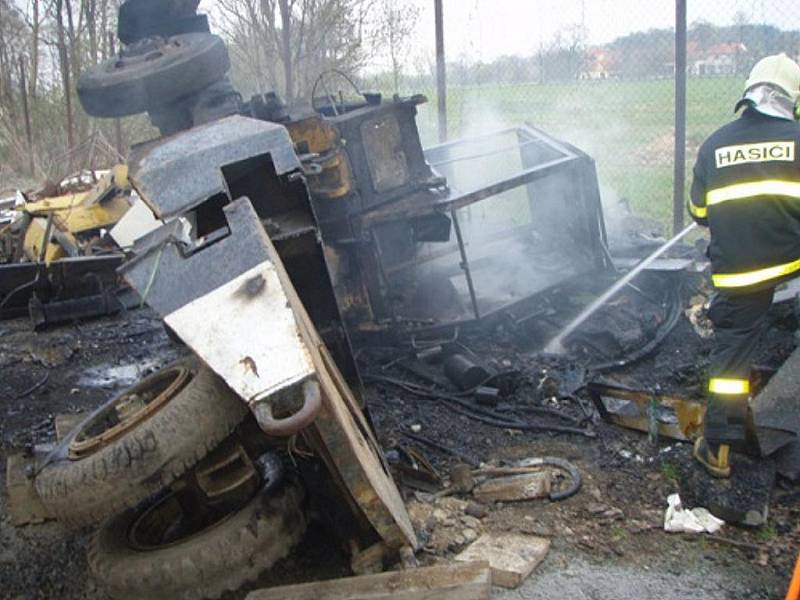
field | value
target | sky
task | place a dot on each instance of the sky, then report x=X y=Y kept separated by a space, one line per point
x=486 y=29
x=482 y=30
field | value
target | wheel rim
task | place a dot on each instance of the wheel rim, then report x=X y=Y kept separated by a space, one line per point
x=166 y=523
x=144 y=52
x=128 y=410
x=187 y=510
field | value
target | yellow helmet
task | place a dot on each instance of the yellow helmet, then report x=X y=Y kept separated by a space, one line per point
x=778 y=70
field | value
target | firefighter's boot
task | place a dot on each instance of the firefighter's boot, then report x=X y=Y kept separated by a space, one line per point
x=715 y=461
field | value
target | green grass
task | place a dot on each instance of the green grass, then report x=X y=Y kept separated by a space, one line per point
x=669 y=471
x=618 y=533
x=768 y=532
x=627 y=126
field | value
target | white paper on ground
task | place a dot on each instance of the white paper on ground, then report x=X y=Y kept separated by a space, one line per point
x=677 y=519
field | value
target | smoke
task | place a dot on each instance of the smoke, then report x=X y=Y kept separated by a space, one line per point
x=519 y=242
x=515 y=247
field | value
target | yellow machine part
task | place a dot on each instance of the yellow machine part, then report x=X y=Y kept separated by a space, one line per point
x=320 y=137
x=34 y=240
x=94 y=216
x=55 y=203
x=101 y=206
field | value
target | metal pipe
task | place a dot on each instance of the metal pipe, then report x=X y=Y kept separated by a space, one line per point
x=484 y=154
x=465 y=264
x=441 y=71
x=680 y=117
x=493 y=189
x=48 y=228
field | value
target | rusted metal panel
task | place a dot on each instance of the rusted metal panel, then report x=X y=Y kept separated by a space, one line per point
x=228 y=304
x=169 y=274
x=349 y=444
x=324 y=159
x=672 y=417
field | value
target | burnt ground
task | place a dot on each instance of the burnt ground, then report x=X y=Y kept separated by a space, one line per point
x=612 y=526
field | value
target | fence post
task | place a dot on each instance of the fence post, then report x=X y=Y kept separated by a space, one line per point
x=680 y=117
x=441 y=84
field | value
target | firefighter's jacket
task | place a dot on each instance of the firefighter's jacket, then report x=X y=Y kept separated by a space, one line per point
x=746 y=189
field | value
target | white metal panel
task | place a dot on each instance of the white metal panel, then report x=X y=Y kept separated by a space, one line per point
x=136 y=222
x=246 y=332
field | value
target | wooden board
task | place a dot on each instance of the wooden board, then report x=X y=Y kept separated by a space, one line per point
x=468 y=581
x=514 y=488
x=24 y=505
x=512 y=556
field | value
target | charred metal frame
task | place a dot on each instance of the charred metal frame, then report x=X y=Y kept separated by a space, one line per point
x=448 y=200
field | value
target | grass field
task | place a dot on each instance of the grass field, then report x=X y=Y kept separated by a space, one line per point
x=627 y=126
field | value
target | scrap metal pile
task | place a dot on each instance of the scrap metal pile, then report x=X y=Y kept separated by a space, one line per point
x=57 y=261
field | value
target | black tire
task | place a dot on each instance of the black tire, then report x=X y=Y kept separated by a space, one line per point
x=153 y=73
x=207 y=564
x=144 y=459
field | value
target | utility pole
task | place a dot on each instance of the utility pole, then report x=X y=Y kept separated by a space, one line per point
x=441 y=75
x=679 y=178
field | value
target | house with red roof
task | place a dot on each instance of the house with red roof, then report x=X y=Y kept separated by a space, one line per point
x=719 y=59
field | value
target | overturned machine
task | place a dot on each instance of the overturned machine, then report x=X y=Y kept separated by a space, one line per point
x=282 y=238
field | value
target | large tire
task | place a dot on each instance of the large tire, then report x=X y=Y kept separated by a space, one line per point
x=153 y=73
x=141 y=461
x=220 y=558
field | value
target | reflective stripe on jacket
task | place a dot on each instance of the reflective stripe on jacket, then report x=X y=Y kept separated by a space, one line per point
x=746 y=189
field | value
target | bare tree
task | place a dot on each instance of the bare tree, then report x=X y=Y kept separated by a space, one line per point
x=302 y=37
x=397 y=23
x=44 y=46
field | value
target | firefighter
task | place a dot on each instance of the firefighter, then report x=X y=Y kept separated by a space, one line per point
x=746 y=190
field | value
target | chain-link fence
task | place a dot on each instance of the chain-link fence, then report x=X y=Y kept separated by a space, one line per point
x=599 y=74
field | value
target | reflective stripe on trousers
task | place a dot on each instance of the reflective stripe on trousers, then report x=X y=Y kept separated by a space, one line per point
x=728 y=386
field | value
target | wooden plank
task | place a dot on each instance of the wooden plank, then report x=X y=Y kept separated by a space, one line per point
x=370 y=560
x=512 y=556
x=514 y=488
x=468 y=581
x=24 y=505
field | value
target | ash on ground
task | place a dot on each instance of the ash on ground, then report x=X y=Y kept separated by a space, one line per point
x=539 y=410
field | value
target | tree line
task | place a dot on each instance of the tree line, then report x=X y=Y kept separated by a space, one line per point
x=568 y=55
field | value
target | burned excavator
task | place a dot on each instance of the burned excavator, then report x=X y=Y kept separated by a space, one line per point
x=279 y=238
